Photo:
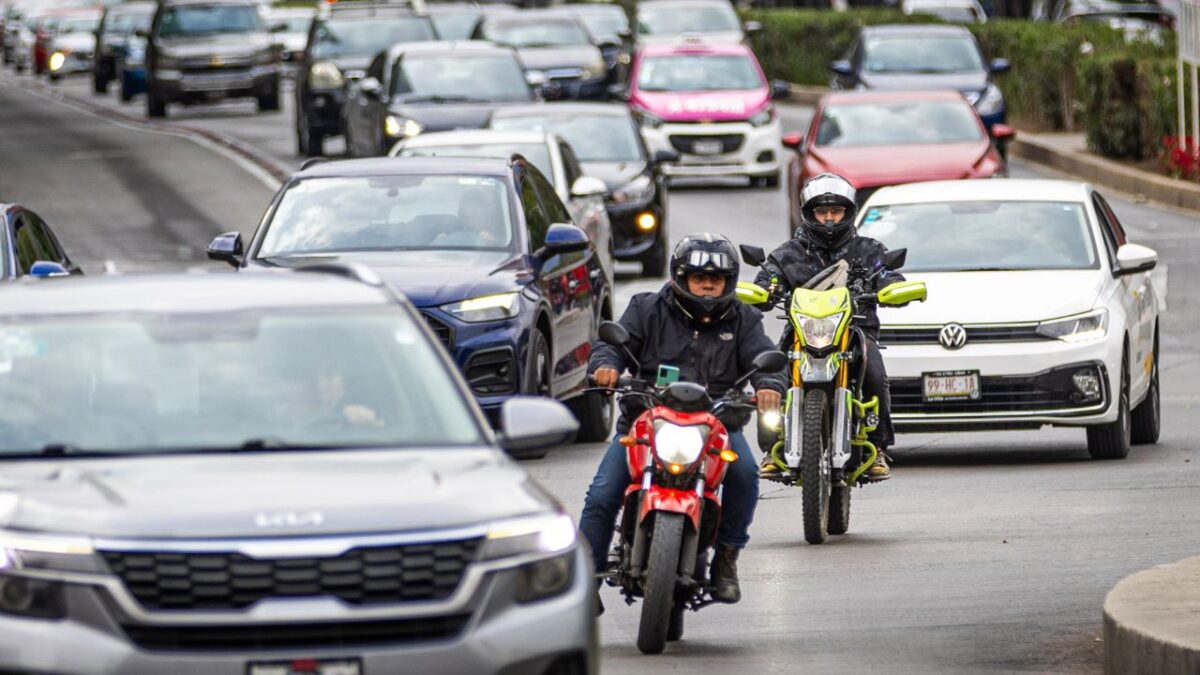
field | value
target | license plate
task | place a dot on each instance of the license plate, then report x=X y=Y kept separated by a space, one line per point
x=306 y=667
x=951 y=385
x=707 y=147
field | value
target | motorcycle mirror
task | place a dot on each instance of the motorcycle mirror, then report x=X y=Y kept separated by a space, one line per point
x=614 y=333
x=753 y=256
x=773 y=361
x=894 y=260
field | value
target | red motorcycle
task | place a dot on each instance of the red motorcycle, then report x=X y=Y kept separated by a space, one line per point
x=678 y=452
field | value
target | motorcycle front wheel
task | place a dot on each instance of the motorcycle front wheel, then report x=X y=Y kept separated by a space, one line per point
x=658 y=583
x=815 y=466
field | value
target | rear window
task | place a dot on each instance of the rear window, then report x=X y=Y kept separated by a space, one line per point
x=901 y=123
x=364 y=36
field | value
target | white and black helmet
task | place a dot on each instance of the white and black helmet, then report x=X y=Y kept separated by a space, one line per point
x=704 y=253
x=828 y=189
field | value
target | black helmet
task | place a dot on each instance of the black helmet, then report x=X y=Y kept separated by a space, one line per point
x=705 y=253
x=828 y=189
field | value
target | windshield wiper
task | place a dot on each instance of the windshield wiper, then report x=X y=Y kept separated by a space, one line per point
x=990 y=269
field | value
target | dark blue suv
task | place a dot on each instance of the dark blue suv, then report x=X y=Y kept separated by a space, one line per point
x=483 y=247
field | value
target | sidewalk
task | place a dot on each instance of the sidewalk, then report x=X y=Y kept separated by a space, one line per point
x=1152 y=622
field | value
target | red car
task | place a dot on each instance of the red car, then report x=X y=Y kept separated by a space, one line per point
x=873 y=139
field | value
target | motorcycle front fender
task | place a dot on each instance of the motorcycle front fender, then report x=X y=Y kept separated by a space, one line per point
x=659 y=498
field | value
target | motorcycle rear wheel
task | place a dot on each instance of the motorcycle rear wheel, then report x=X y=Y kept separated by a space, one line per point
x=658 y=582
x=815 y=466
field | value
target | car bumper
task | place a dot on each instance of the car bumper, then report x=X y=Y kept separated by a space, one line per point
x=630 y=241
x=324 y=111
x=228 y=83
x=744 y=150
x=501 y=635
x=576 y=88
x=491 y=356
x=1023 y=384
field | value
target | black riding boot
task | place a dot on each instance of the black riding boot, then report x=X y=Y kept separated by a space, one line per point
x=724 y=575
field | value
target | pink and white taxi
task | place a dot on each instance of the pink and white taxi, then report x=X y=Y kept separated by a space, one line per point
x=712 y=105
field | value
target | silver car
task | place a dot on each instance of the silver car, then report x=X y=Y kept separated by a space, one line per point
x=277 y=473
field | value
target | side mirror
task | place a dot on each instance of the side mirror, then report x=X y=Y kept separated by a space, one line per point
x=1003 y=132
x=531 y=423
x=588 y=186
x=666 y=156
x=842 y=68
x=44 y=269
x=999 y=66
x=753 y=256
x=773 y=361
x=370 y=87
x=226 y=247
x=894 y=259
x=619 y=92
x=752 y=27
x=780 y=90
x=613 y=333
x=564 y=238
x=902 y=293
x=794 y=141
x=1135 y=259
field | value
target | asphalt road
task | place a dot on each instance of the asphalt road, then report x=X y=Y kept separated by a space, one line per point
x=985 y=553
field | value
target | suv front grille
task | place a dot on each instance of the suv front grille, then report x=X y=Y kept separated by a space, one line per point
x=687 y=143
x=308 y=635
x=182 y=581
x=929 y=335
x=444 y=333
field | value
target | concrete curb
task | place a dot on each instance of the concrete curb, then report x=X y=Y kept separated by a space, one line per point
x=1152 y=622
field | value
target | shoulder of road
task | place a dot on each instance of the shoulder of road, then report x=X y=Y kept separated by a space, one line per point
x=1152 y=621
x=1067 y=153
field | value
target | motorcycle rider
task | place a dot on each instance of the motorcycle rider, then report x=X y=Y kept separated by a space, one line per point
x=828 y=235
x=695 y=324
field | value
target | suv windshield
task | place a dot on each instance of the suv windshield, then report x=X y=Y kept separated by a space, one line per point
x=544 y=33
x=77 y=24
x=922 y=54
x=985 y=235
x=388 y=213
x=594 y=138
x=604 y=21
x=492 y=77
x=454 y=24
x=123 y=23
x=365 y=36
x=918 y=122
x=186 y=20
x=674 y=19
x=244 y=380
x=698 y=73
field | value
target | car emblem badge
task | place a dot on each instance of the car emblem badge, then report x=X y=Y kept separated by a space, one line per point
x=216 y=62
x=952 y=336
x=289 y=519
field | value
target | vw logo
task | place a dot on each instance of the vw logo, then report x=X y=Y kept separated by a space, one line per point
x=952 y=336
x=289 y=519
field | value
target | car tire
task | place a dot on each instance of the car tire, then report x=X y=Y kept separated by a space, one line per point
x=769 y=181
x=155 y=106
x=53 y=77
x=269 y=102
x=1112 y=440
x=1146 y=418
x=654 y=262
x=594 y=410
x=99 y=85
x=126 y=92
x=536 y=381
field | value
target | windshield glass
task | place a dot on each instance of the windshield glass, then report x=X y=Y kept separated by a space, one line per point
x=594 y=138
x=192 y=382
x=200 y=19
x=387 y=213
x=918 y=122
x=455 y=25
x=367 y=35
x=538 y=153
x=123 y=23
x=605 y=22
x=77 y=24
x=674 y=19
x=544 y=33
x=461 y=76
x=295 y=24
x=698 y=72
x=921 y=54
x=986 y=235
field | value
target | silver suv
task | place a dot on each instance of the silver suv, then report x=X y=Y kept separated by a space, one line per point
x=268 y=474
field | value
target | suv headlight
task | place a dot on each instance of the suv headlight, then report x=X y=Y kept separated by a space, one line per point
x=639 y=189
x=819 y=333
x=486 y=308
x=595 y=69
x=325 y=75
x=396 y=127
x=1086 y=327
x=545 y=534
x=677 y=446
x=763 y=117
x=649 y=120
x=990 y=101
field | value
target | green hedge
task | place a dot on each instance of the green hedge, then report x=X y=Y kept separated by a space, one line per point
x=1130 y=105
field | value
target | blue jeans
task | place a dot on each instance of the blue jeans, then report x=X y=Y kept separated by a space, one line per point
x=605 y=496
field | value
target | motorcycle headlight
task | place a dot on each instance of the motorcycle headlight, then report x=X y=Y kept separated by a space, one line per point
x=649 y=120
x=819 y=333
x=763 y=117
x=990 y=101
x=57 y=59
x=1086 y=327
x=639 y=189
x=486 y=308
x=396 y=127
x=325 y=75
x=678 y=447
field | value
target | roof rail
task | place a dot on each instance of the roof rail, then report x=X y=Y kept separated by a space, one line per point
x=313 y=161
x=353 y=271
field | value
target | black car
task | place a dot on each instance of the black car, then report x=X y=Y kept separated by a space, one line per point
x=28 y=247
x=430 y=86
x=606 y=140
x=208 y=50
x=485 y=249
x=341 y=42
x=922 y=57
x=608 y=25
x=116 y=26
x=555 y=48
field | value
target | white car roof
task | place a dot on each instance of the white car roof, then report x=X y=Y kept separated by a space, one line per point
x=983 y=189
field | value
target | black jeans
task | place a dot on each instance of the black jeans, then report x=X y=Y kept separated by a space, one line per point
x=875 y=383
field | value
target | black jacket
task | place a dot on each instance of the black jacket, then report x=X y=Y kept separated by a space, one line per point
x=799 y=259
x=714 y=355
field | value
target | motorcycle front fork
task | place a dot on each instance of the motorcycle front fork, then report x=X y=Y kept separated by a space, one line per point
x=853 y=420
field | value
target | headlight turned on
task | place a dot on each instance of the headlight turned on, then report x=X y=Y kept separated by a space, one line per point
x=818 y=333
x=1087 y=327
x=678 y=446
x=325 y=75
x=486 y=308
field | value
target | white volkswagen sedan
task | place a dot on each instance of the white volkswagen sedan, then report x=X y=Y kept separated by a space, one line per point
x=1039 y=311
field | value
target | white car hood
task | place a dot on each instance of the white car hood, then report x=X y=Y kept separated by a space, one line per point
x=998 y=297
